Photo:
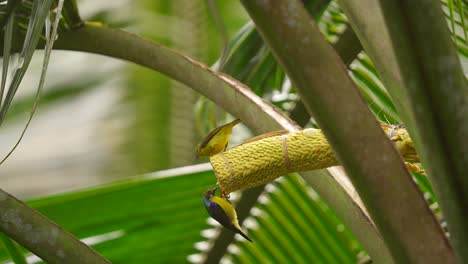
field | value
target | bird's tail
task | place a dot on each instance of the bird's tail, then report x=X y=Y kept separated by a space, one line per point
x=240 y=232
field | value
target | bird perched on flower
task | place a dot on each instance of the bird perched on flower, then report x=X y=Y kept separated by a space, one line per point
x=217 y=140
x=221 y=210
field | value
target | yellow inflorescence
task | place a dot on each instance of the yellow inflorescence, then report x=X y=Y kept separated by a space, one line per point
x=259 y=162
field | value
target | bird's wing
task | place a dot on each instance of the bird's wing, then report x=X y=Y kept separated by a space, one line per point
x=226 y=206
x=223 y=212
x=210 y=136
x=215 y=131
x=227 y=215
x=217 y=212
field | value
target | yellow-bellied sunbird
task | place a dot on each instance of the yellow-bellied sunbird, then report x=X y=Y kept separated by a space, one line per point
x=221 y=210
x=217 y=140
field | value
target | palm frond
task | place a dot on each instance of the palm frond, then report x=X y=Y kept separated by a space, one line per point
x=291 y=223
x=7 y=44
x=455 y=12
x=13 y=249
x=33 y=34
x=36 y=24
x=160 y=210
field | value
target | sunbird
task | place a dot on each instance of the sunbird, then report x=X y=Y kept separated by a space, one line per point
x=221 y=210
x=217 y=140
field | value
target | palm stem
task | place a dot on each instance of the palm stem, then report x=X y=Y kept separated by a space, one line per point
x=41 y=236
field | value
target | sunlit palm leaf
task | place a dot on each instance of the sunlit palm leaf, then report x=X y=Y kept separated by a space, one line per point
x=51 y=33
x=373 y=90
x=156 y=216
x=246 y=49
x=456 y=12
x=39 y=14
x=7 y=44
x=13 y=249
x=291 y=223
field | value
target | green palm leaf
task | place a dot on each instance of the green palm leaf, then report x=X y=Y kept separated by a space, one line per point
x=155 y=216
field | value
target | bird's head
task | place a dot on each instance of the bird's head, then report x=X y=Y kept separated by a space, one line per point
x=210 y=192
x=207 y=197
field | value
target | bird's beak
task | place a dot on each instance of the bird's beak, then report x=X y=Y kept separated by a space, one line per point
x=211 y=191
